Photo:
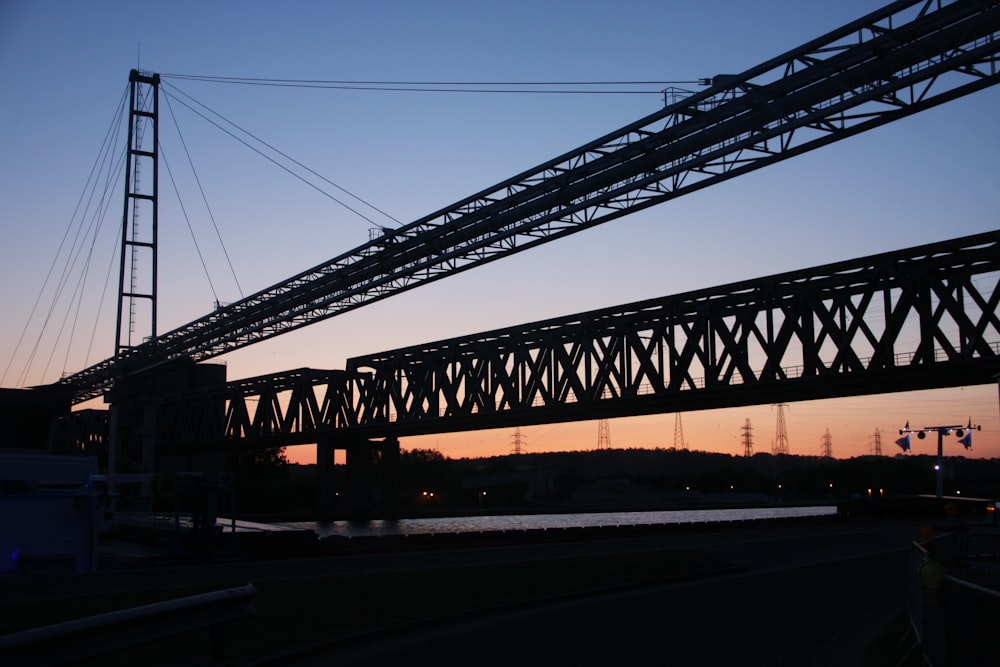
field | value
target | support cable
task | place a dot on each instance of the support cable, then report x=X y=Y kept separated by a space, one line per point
x=93 y=231
x=275 y=162
x=522 y=87
x=112 y=265
x=204 y=199
x=187 y=220
x=88 y=186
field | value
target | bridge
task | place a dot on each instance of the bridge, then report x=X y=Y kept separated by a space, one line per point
x=911 y=319
x=829 y=331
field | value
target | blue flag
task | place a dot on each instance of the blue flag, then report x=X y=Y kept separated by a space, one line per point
x=966 y=440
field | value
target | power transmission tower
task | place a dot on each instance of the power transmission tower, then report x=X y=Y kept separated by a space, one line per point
x=678 y=432
x=747 y=439
x=781 y=432
x=877 y=443
x=603 y=434
x=826 y=445
x=517 y=442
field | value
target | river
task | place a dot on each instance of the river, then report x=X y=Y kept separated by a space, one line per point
x=467 y=524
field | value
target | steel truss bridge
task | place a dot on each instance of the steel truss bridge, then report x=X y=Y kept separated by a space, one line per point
x=911 y=319
x=904 y=58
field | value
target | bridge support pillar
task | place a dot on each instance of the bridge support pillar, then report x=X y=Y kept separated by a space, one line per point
x=390 y=478
x=371 y=466
x=138 y=444
x=326 y=484
x=359 y=469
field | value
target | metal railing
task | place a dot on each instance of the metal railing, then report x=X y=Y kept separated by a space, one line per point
x=954 y=604
x=105 y=634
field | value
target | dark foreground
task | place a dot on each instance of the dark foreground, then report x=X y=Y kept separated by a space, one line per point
x=768 y=595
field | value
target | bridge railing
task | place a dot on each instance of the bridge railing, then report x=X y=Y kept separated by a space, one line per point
x=954 y=604
x=106 y=634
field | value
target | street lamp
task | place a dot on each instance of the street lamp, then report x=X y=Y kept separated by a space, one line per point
x=963 y=433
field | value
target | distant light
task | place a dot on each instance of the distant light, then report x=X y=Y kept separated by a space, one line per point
x=937 y=467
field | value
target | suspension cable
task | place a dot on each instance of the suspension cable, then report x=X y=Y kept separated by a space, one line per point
x=521 y=87
x=282 y=154
x=204 y=199
x=89 y=184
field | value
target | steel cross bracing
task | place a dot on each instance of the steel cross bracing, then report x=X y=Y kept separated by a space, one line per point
x=912 y=319
x=899 y=60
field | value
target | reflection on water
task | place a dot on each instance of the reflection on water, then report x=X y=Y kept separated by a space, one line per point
x=466 y=524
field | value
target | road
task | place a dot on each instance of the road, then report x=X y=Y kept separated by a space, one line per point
x=807 y=598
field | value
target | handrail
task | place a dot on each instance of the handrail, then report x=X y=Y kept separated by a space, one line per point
x=115 y=631
x=951 y=618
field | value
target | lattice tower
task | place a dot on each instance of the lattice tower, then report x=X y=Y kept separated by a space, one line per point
x=517 y=442
x=678 y=433
x=781 y=431
x=877 y=443
x=747 y=438
x=826 y=445
x=603 y=434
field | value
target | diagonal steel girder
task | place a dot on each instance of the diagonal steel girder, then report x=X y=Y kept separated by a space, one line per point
x=899 y=60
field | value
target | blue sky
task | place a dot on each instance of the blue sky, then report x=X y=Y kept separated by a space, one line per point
x=65 y=66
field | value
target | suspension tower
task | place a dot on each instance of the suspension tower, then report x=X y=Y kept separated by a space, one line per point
x=780 y=432
x=133 y=456
x=137 y=278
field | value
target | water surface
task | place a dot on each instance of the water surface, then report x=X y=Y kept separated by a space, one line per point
x=466 y=524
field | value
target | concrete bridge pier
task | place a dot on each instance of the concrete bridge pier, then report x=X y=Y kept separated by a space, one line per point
x=326 y=483
x=389 y=460
x=368 y=463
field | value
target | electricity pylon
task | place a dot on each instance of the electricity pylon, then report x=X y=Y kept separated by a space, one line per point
x=603 y=434
x=781 y=432
x=747 y=439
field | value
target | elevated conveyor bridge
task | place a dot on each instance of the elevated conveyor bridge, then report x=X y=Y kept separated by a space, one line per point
x=912 y=319
x=897 y=61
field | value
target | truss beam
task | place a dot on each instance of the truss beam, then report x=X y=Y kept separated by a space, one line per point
x=897 y=61
x=912 y=319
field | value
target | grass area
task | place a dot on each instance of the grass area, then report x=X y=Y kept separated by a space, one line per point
x=295 y=613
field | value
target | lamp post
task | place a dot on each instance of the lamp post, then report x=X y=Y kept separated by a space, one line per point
x=963 y=433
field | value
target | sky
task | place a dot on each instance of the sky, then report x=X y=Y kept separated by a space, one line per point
x=65 y=65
